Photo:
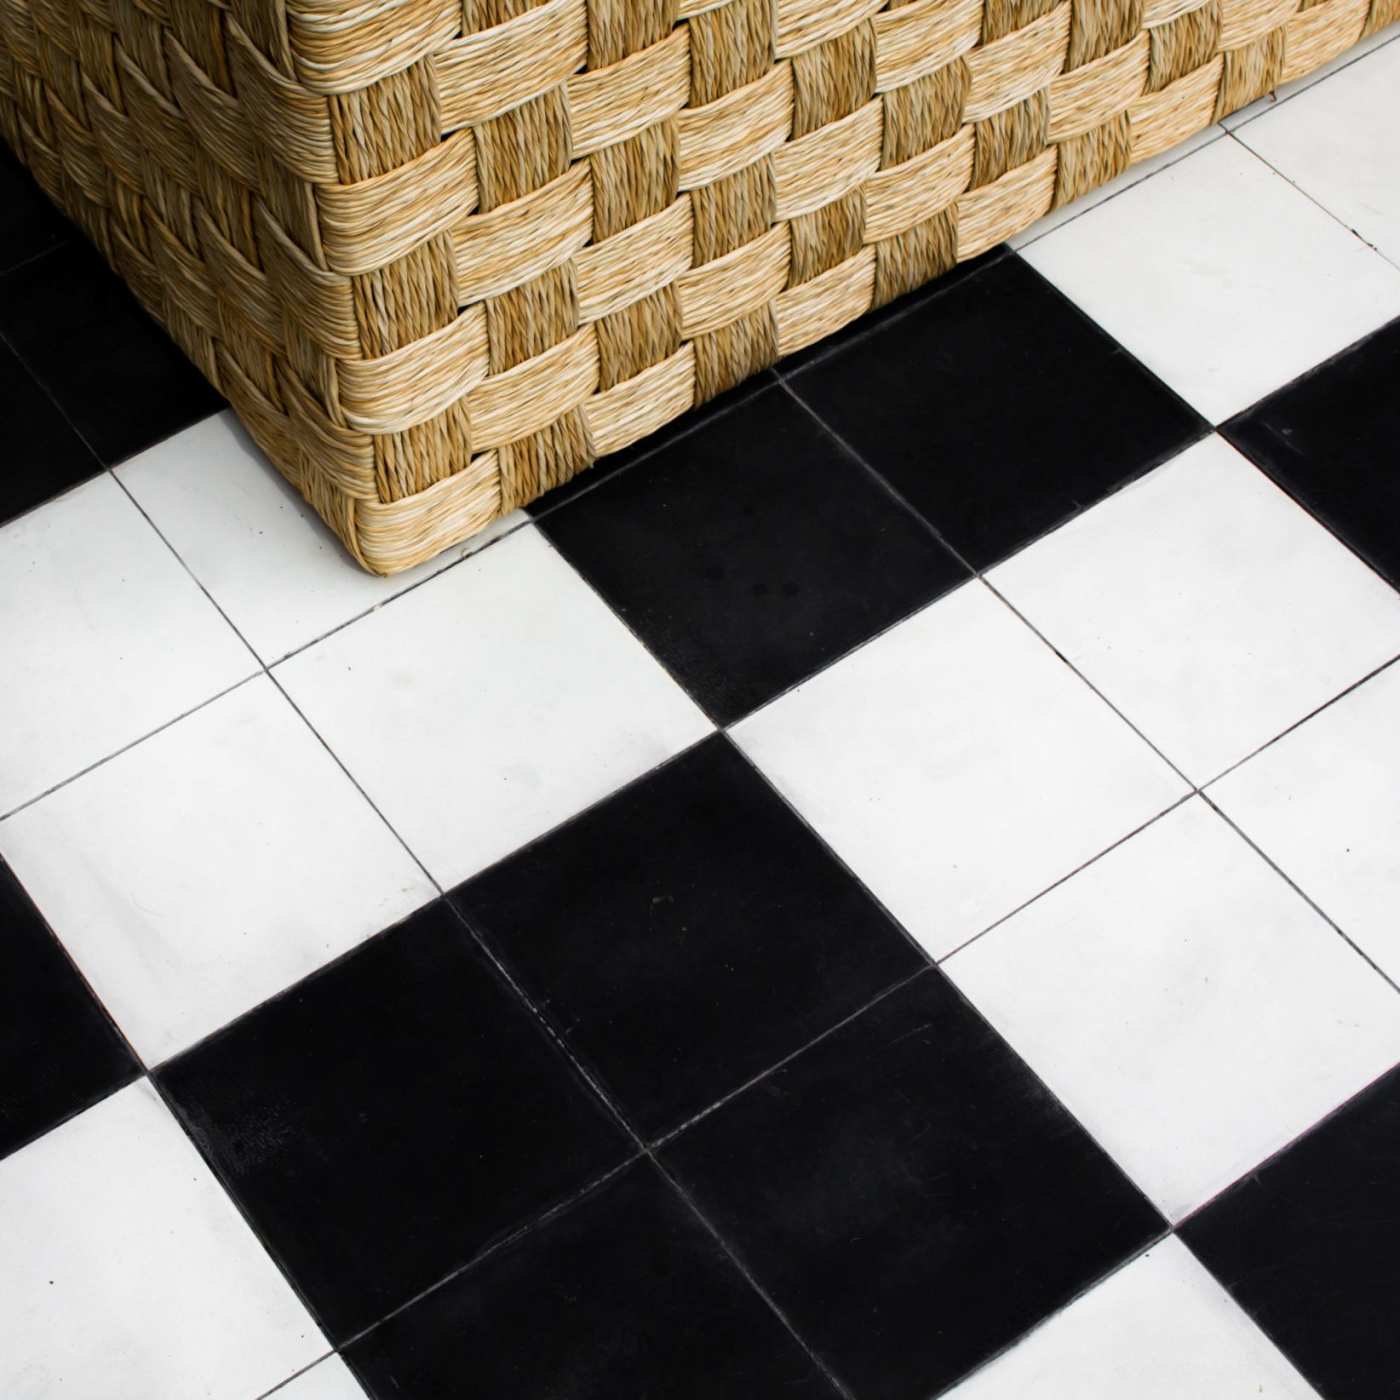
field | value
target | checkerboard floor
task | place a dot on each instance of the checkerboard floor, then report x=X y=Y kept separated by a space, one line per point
x=889 y=890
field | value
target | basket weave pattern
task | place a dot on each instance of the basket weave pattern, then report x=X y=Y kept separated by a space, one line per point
x=440 y=254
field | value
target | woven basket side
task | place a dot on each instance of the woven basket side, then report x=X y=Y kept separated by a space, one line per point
x=441 y=254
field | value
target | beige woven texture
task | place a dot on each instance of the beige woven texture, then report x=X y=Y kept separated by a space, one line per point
x=440 y=254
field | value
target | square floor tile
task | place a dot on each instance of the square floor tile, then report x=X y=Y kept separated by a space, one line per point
x=326 y=1380
x=386 y=1120
x=687 y=934
x=1329 y=440
x=210 y=867
x=491 y=704
x=1207 y=606
x=1221 y=277
x=752 y=552
x=106 y=638
x=1324 y=803
x=1312 y=141
x=1310 y=1246
x=267 y=560
x=909 y=1194
x=126 y=1271
x=29 y=224
x=1159 y=1329
x=973 y=406
x=1186 y=1005
x=58 y=1051
x=625 y=1294
x=43 y=454
x=1305 y=140
x=958 y=766
x=120 y=379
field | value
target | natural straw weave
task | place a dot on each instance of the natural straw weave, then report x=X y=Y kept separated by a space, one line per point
x=440 y=254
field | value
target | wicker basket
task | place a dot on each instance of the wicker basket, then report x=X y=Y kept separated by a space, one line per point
x=440 y=254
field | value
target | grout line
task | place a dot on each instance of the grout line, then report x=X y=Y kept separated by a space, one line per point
x=671 y=1134
x=1299 y=891
x=737 y=1261
x=1311 y=198
x=117 y=753
x=296 y=1375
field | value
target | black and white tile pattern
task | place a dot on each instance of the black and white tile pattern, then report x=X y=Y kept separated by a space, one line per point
x=887 y=890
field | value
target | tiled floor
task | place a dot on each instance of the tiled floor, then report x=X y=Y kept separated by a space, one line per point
x=889 y=890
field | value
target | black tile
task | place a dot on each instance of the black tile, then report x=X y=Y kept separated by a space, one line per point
x=43 y=456
x=58 y=1051
x=687 y=935
x=1310 y=1246
x=910 y=1195
x=624 y=1295
x=615 y=462
x=1330 y=440
x=384 y=1121
x=751 y=553
x=120 y=380
x=29 y=224
x=998 y=410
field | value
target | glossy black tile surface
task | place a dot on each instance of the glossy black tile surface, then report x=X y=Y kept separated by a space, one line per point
x=58 y=1051
x=751 y=553
x=384 y=1121
x=116 y=375
x=616 y=462
x=998 y=410
x=29 y=224
x=910 y=1194
x=625 y=1294
x=1332 y=440
x=1310 y=1246
x=687 y=934
x=42 y=455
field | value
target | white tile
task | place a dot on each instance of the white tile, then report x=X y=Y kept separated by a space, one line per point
x=1160 y=1328
x=958 y=766
x=104 y=638
x=1272 y=101
x=1206 y=605
x=259 y=549
x=490 y=704
x=1130 y=177
x=1340 y=143
x=1189 y=1008
x=1220 y=277
x=127 y=1273
x=327 y=1380
x=208 y=868
x=1324 y=803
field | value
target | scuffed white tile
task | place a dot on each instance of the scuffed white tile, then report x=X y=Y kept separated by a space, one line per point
x=1185 y=1004
x=1324 y=803
x=1220 y=277
x=1207 y=606
x=208 y=868
x=1340 y=143
x=490 y=704
x=128 y=1274
x=104 y=638
x=958 y=766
